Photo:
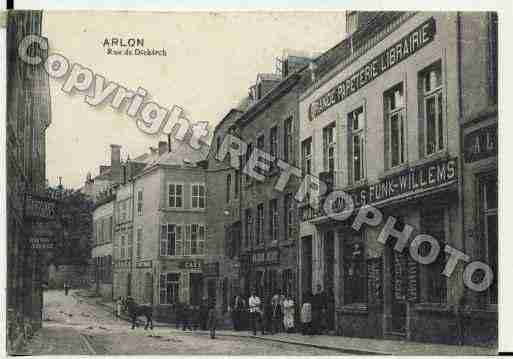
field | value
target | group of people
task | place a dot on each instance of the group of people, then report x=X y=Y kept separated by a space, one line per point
x=194 y=317
x=276 y=313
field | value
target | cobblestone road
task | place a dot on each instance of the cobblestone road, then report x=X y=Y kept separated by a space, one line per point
x=77 y=326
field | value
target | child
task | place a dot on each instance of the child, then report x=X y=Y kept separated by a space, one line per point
x=212 y=320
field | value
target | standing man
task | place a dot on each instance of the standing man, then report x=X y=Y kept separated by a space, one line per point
x=238 y=306
x=66 y=288
x=319 y=308
x=254 y=311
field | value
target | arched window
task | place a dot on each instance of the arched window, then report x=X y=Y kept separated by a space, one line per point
x=228 y=185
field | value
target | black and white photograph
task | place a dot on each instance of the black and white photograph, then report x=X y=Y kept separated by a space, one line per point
x=293 y=183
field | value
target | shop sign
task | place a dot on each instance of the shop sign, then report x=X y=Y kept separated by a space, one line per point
x=481 y=144
x=400 y=51
x=143 y=264
x=211 y=269
x=190 y=265
x=412 y=180
x=40 y=207
x=42 y=236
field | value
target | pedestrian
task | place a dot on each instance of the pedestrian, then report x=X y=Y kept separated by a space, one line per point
x=461 y=313
x=254 y=312
x=267 y=315
x=195 y=317
x=330 y=315
x=306 y=314
x=203 y=314
x=212 y=320
x=119 y=307
x=237 y=308
x=288 y=314
x=186 y=317
x=319 y=306
x=66 y=288
x=178 y=314
x=276 y=313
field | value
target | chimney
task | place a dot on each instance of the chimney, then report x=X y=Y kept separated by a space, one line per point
x=115 y=164
x=163 y=147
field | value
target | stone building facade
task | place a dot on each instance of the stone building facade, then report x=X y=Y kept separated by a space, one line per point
x=28 y=117
x=384 y=126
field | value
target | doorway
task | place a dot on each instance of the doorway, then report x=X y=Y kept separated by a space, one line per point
x=307 y=264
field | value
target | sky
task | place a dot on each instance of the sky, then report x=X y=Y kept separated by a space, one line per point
x=212 y=59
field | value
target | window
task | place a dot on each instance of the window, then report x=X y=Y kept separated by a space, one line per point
x=124 y=210
x=140 y=202
x=289 y=216
x=306 y=149
x=273 y=216
x=169 y=283
x=248 y=156
x=175 y=195
x=197 y=239
x=489 y=198
x=356 y=123
x=288 y=141
x=237 y=179
x=123 y=245
x=355 y=288
x=432 y=107
x=394 y=126
x=274 y=145
x=129 y=244
x=260 y=223
x=111 y=228
x=249 y=227
x=228 y=187
x=102 y=231
x=328 y=148
x=198 y=196
x=139 y=243
x=432 y=222
x=171 y=240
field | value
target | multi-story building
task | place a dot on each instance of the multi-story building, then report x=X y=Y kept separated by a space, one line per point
x=268 y=216
x=221 y=273
x=383 y=125
x=28 y=117
x=101 y=254
x=166 y=246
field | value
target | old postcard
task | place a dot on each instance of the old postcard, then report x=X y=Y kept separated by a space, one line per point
x=255 y=183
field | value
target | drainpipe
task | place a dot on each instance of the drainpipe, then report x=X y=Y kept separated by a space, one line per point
x=461 y=203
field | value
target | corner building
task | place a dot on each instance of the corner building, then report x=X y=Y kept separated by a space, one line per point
x=383 y=125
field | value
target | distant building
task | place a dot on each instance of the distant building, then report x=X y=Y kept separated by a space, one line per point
x=159 y=255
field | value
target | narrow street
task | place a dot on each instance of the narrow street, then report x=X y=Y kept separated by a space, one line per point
x=77 y=327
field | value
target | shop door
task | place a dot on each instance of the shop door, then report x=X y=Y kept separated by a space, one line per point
x=399 y=271
x=148 y=288
x=211 y=290
x=329 y=261
x=307 y=264
x=195 y=284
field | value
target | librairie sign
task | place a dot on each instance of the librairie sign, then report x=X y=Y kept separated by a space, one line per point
x=437 y=173
x=401 y=50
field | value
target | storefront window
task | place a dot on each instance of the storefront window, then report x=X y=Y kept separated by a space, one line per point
x=169 y=288
x=435 y=283
x=355 y=288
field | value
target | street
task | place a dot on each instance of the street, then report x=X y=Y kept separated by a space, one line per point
x=78 y=327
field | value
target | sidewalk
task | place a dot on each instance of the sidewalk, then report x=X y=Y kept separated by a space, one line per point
x=339 y=343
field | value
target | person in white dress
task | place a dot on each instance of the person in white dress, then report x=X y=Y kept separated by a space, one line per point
x=288 y=313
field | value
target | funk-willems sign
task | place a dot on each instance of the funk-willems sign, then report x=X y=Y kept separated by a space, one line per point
x=393 y=55
x=409 y=181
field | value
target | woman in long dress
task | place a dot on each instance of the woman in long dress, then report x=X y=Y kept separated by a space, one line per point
x=288 y=314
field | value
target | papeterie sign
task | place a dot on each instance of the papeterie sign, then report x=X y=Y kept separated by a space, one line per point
x=410 y=181
x=393 y=55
